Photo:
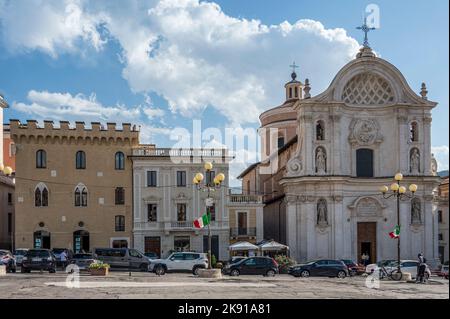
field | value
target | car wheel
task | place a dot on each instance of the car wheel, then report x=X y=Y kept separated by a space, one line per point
x=304 y=274
x=195 y=271
x=160 y=270
x=341 y=274
x=52 y=271
x=13 y=270
x=23 y=270
x=234 y=273
x=270 y=273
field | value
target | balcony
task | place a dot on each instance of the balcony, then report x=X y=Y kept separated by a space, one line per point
x=243 y=232
x=179 y=152
x=245 y=199
x=182 y=225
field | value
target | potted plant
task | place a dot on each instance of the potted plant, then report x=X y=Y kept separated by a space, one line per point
x=99 y=269
x=284 y=263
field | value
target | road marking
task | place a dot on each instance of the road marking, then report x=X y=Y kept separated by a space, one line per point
x=121 y=284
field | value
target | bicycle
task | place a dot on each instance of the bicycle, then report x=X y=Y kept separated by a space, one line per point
x=394 y=274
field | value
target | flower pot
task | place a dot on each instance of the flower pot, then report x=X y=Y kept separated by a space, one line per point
x=99 y=272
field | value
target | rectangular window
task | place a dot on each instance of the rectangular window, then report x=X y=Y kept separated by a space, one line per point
x=151 y=178
x=182 y=243
x=120 y=196
x=152 y=212
x=242 y=223
x=280 y=142
x=9 y=223
x=210 y=175
x=10 y=199
x=364 y=162
x=440 y=218
x=181 y=212
x=440 y=237
x=120 y=223
x=11 y=149
x=181 y=178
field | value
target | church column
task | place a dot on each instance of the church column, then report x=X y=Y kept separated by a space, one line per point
x=405 y=231
x=430 y=235
x=426 y=150
x=311 y=222
x=338 y=226
x=335 y=139
x=308 y=139
x=403 y=135
x=291 y=226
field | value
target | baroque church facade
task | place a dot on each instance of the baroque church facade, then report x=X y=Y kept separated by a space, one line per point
x=351 y=140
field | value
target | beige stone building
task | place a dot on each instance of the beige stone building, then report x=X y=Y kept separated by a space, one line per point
x=73 y=185
x=443 y=219
x=6 y=212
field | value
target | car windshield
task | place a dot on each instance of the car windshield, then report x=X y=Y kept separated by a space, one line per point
x=38 y=253
x=20 y=252
x=57 y=250
x=82 y=256
x=347 y=261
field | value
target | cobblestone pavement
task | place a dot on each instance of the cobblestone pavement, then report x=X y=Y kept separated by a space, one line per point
x=186 y=286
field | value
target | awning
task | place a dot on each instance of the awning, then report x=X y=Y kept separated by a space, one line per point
x=272 y=245
x=243 y=245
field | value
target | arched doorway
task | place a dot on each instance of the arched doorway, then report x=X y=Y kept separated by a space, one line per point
x=41 y=239
x=80 y=241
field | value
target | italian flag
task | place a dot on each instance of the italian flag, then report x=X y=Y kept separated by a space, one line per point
x=202 y=221
x=395 y=233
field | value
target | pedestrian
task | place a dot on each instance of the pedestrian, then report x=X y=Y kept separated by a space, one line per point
x=63 y=257
x=421 y=267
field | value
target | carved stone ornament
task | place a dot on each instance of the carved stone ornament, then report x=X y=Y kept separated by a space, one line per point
x=364 y=132
x=291 y=199
x=294 y=166
x=338 y=198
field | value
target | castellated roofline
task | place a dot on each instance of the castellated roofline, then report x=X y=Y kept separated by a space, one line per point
x=129 y=134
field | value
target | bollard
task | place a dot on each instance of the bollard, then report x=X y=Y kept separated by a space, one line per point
x=2 y=270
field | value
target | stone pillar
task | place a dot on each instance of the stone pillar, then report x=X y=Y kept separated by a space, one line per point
x=259 y=223
x=425 y=154
x=403 y=145
x=291 y=226
x=430 y=232
x=310 y=235
x=308 y=139
x=338 y=224
x=405 y=231
x=334 y=135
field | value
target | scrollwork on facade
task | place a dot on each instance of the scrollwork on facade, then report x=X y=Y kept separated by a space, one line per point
x=294 y=166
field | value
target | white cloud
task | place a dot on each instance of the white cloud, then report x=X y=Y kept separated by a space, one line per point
x=441 y=153
x=52 y=26
x=189 y=52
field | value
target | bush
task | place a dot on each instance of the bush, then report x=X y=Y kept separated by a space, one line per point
x=213 y=261
x=284 y=262
x=99 y=265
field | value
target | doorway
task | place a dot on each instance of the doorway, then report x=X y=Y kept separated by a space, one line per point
x=81 y=241
x=42 y=239
x=367 y=242
x=153 y=245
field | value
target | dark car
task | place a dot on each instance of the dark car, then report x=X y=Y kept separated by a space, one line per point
x=325 y=267
x=265 y=266
x=58 y=251
x=353 y=268
x=39 y=259
x=83 y=260
x=7 y=259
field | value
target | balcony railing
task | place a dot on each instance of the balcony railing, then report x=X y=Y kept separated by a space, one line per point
x=244 y=232
x=245 y=199
x=182 y=225
x=179 y=152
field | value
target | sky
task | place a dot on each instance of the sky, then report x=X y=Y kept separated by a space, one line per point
x=163 y=64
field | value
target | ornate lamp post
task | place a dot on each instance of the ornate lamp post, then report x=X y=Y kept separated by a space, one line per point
x=209 y=186
x=398 y=192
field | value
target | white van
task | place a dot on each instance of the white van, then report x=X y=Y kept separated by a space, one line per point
x=123 y=258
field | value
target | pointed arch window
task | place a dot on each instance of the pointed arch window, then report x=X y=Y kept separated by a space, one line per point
x=413 y=132
x=320 y=130
x=81 y=194
x=41 y=159
x=80 y=159
x=41 y=195
x=120 y=161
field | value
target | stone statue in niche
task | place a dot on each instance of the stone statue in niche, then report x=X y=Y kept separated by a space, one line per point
x=321 y=160
x=434 y=165
x=416 y=217
x=415 y=161
x=322 y=218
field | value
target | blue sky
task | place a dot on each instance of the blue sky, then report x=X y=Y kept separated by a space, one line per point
x=185 y=60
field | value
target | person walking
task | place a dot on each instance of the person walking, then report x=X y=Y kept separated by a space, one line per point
x=421 y=267
x=63 y=257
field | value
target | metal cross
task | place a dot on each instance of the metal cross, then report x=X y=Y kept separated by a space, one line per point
x=294 y=66
x=365 y=28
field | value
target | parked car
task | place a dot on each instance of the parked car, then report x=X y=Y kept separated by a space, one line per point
x=353 y=267
x=382 y=263
x=39 y=259
x=151 y=255
x=18 y=254
x=7 y=259
x=122 y=258
x=259 y=265
x=236 y=259
x=324 y=267
x=83 y=261
x=57 y=252
x=179 y=262
x=444 y=271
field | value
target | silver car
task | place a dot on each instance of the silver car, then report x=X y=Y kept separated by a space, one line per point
x=83 y=261
x=18 y=254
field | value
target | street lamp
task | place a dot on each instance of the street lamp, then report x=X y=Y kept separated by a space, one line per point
x=399 y=191
x=209 y=186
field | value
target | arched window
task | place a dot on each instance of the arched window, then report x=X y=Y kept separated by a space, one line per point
x=41 y=159
x=41 y=195
x=290 y=93
x=364 y=162
x=296 y=92
x=119 y=223
x=81 y=194
x=413 y=132
x=120 y=196
x=320 y=131
x=80 y=160
x=120 y=161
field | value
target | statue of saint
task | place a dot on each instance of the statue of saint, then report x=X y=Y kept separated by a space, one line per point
x=322 y=218
x=415 y=161
x=415 y=212
x=321 y=160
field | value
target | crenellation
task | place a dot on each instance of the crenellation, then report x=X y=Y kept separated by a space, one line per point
x=48 y=125
x=79 y=126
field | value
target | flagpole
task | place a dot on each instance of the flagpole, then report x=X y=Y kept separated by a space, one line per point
x=398 y=224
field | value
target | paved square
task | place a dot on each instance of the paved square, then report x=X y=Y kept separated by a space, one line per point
x=186 y=286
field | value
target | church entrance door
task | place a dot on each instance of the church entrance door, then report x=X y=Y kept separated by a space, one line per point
x=367 y=242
